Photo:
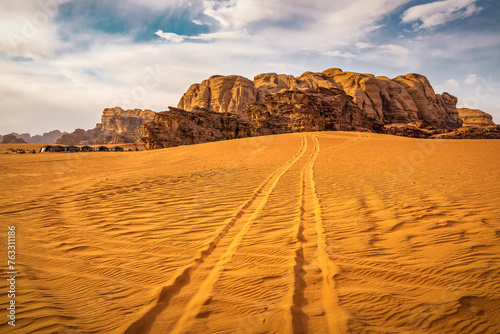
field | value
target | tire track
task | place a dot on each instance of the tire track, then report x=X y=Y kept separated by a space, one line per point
x=314 y=270
x=251 y=208
x=356 y=140
x=299 y=317
x=204 y=291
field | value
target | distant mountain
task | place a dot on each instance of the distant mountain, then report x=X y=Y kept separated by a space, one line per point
x=47 y=138
x=12 y=139
x=117 y=126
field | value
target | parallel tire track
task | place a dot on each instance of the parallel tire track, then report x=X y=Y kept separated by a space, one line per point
x=258 y=200
x=335 y=316
x=311 y=222
x=205 y=289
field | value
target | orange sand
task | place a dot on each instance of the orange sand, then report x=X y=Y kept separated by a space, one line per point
x=301 y=233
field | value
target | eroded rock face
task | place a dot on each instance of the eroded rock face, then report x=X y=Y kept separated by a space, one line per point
x=475 y=117
x=117 y=126
x=404 y=99
x=319 y=109
x=234 y=93
x=287 y=111
x=179 y=127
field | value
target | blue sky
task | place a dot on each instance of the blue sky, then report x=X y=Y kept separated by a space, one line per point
x=63 y=61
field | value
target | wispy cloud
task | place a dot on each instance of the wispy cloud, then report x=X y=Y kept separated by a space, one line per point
x=395 y=49
x=341 y=54
x=439 y=12
x=170 y=36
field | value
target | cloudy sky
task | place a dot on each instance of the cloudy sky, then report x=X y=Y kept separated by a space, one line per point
x=63 y=61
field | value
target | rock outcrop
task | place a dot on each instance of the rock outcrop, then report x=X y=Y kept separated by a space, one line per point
x=475 y=117
x=117 y=126
x=471 y=132
x=319 y=109
x=287 y=111
x=404 y=99
x=234 y=93
x=179 y=127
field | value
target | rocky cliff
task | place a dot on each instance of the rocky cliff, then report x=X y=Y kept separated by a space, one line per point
x=179 y=127
x=319 y=109
x=404 y=99
x=117 y=126
x=288 y=111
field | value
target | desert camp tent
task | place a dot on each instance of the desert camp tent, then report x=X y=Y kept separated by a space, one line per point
x=101 y=149
x=46 y=148
x=87 y=148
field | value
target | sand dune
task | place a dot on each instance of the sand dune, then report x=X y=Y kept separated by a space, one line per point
x=330 y=232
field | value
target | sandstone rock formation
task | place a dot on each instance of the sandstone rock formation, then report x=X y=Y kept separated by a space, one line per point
x=404 y=99
x=234 y=93
x=319 y=109
x=475 y=117
x=117 y=126
x=179 y=127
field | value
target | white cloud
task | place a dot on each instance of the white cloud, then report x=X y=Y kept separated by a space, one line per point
x=237 y=14
x=439 y=12
x=363 y=45
x=452 y=83
x=287 y=24
x=170 y=36
x=341 y=54
x=471 y=79
x=197 y=22
x=395 y=49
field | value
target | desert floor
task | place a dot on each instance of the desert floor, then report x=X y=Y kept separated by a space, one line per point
x=331 y=232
